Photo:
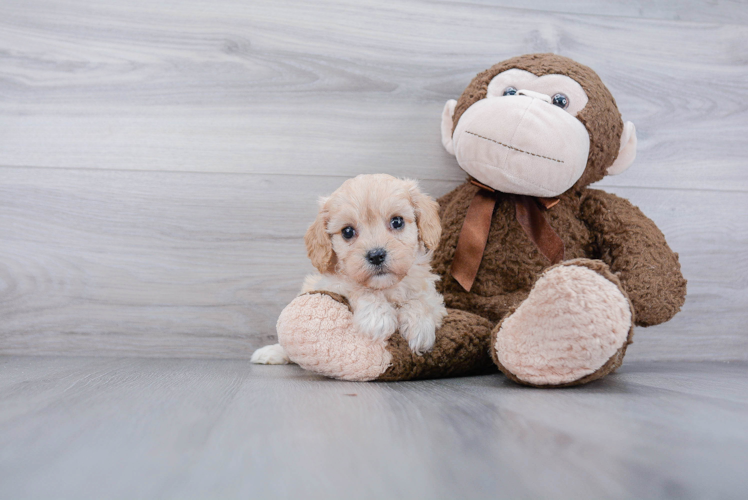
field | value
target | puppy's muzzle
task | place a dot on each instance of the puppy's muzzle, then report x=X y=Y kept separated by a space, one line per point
x=376 y=256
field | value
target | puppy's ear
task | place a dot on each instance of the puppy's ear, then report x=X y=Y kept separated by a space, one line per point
x=427 y=216
x=319 y=244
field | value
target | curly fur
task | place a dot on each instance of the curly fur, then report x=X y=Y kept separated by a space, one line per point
x=400 y=293
x=593 y=224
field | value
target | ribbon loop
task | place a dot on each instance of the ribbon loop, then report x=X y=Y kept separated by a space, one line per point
x=474 y=233
x=473 y=238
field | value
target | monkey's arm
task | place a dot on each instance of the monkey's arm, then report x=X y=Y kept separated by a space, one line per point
x=493 y=308
x=635 y=249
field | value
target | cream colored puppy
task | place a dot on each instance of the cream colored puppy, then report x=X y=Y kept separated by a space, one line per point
x=372 y=243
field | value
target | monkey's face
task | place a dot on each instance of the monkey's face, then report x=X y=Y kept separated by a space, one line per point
x=524 y=136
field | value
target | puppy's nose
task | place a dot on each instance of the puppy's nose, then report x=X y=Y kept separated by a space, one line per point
x=376 y=256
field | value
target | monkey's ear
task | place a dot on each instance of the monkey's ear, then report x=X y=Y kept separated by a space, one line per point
x=427 y=217
x=319 y=244
x=627 y=153
x=448 y=125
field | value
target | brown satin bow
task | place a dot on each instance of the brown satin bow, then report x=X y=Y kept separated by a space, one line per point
x=474 y=234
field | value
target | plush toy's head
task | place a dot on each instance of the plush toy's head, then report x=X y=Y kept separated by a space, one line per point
x=538 y=125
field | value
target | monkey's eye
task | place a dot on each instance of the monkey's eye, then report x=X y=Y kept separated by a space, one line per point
x=397 y=222
x=348 y=232
x=510 y=91
x=560 y=100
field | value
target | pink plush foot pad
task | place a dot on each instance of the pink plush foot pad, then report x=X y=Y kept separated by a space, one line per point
x=317 y=333
x=573 y=322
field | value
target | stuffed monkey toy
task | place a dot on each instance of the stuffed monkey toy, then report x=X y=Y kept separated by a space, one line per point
x=543 y=277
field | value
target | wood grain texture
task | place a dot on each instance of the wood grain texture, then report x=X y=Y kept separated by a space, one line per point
x=160 y=428
x=343 y=87
x=183 y=264
x=731 y=11
x=159 y=162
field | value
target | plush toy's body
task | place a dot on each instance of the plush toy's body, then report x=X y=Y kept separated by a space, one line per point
x=593 y=224
x=545 y=277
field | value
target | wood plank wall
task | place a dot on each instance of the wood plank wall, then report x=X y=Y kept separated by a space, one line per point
x=160 y=161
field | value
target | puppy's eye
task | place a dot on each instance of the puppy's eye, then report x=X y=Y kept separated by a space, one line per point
x=510 y=91
x=348 y=232
x=397 y=223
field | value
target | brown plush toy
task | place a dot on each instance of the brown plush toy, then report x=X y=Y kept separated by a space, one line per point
x=544 y=277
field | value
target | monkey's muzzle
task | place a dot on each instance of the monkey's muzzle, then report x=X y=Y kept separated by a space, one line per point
x=521 y=144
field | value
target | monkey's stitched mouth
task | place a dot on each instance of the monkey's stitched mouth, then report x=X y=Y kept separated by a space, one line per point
x=513 y=148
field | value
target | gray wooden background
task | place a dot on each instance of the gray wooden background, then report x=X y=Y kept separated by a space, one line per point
x=160 y=161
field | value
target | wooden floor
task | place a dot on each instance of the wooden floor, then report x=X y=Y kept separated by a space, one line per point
x=149 y=428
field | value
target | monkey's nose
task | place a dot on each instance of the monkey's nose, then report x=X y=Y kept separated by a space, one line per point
x=376 y=256
x=535 y=95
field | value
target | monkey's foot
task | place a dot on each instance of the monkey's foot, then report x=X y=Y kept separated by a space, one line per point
x=573 y=327
x=317 y=332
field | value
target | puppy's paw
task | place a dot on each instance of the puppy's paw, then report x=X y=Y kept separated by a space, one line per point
x=375 y=319
x=419 y=319
x=420 y=332
x=270 y=355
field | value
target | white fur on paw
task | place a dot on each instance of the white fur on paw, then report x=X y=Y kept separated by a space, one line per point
x=418 y=329
x=421 y=336
x=270 y=355
x=419 y=320
x=376 y=319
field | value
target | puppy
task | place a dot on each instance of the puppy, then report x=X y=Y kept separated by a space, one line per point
x=372 y=243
